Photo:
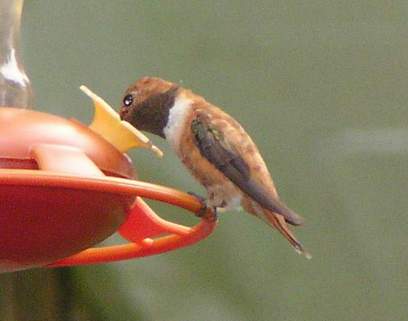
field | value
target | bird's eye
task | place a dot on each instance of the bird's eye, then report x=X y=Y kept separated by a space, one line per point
x=128 y=100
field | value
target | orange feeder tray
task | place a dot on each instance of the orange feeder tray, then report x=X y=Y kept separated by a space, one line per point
x=65 y=187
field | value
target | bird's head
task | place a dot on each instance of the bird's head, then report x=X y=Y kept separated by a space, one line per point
x=147 y=102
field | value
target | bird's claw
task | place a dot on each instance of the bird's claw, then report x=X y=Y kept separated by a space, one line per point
x=206 y=212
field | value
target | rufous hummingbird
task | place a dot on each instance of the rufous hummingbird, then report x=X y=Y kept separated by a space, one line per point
x=214 y=147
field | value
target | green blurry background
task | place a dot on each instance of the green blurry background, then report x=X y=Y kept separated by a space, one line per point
x=322 y=87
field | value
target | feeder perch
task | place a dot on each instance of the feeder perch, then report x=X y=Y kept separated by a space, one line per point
x=65 y=187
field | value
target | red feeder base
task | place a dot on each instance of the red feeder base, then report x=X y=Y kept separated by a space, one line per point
x=47 y=218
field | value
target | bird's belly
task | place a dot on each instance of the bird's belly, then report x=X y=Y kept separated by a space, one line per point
x=222 y=193
x=225 y=196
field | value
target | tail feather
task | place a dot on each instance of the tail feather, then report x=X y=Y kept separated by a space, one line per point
x=278 y=222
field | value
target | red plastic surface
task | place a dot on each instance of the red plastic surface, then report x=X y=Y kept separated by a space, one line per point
x=56 y=202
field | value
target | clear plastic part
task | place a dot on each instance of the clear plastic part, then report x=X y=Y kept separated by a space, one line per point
x=15 y=87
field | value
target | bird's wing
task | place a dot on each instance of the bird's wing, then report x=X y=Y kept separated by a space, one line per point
x=220 y=152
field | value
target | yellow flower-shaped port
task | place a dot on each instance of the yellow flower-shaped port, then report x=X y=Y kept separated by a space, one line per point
x=121 y=134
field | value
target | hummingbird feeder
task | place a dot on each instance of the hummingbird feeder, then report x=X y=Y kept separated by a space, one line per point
x=65 y=186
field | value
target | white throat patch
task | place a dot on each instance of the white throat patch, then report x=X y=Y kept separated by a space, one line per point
x=176 y=120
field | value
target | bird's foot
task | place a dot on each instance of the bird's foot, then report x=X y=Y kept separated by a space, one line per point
x=206 y=211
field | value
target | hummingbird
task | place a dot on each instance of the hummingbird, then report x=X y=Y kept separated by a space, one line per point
x=214 y=147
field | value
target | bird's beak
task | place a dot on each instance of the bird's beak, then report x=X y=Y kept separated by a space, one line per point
x=122 y=113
